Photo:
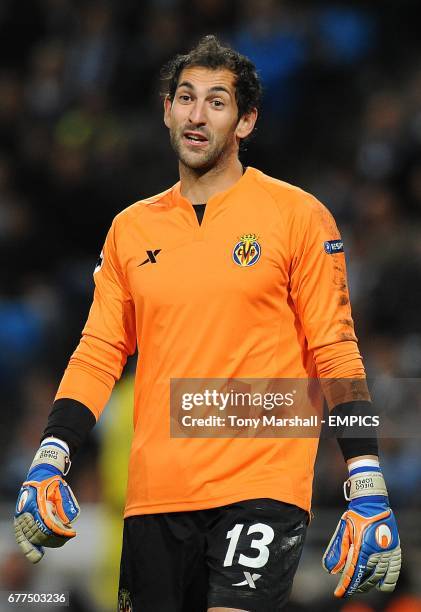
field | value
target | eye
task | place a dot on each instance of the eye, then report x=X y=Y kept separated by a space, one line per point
x=184 y=97
x=218 y=103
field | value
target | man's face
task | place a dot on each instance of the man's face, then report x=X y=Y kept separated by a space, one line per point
x=203 y=117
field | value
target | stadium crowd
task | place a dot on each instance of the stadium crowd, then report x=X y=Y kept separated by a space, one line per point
x=81 y=137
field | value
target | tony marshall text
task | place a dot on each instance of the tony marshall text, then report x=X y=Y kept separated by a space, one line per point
x=253 y=422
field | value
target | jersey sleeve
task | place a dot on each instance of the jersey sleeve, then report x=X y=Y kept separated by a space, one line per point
x=108 y=337
x=319 y=289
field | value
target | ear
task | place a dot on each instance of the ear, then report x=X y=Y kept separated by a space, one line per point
x=167 y=111
x=246 y=124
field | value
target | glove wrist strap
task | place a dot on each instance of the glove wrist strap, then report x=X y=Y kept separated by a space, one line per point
x=363 y=484
x=52 y=454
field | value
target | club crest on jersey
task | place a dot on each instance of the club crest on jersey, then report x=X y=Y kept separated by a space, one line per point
x=247 y=251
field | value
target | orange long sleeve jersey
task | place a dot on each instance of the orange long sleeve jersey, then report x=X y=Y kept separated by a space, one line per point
x=199 y=303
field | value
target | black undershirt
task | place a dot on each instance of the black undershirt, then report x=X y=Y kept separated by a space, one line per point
x=199 y=209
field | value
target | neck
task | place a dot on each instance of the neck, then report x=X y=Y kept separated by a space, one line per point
x=198 y=186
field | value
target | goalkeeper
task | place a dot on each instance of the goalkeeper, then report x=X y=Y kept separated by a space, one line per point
x=228 y=274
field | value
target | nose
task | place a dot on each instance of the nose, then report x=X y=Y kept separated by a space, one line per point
x=198 y=113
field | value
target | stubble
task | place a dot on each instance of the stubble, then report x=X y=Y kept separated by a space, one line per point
x=202 y=161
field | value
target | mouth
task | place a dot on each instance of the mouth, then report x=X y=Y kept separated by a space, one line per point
x=195 y=139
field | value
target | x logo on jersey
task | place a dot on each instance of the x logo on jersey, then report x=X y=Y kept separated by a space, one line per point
x=250 y=580
x=151 y=257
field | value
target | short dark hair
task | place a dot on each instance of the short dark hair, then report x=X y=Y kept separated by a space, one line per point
x=209 y=53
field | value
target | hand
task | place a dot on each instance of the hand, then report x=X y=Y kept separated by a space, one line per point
x=365 y=547
x=46 y=506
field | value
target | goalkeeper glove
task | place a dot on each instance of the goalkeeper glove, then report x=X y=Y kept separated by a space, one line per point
x=365 y=547
x=46 y=506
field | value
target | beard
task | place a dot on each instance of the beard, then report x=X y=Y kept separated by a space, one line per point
x=202 y=161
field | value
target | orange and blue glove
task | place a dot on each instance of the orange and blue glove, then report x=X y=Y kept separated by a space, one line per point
x=365 y=547
x=46 y=506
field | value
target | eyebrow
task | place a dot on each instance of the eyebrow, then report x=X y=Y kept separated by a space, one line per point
x=213 y=89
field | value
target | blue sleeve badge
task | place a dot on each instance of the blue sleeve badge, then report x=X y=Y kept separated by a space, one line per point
x=333 y=246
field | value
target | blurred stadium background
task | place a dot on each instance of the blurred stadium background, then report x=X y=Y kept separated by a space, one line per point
x=81 y=137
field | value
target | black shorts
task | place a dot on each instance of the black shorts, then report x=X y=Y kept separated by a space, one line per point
x=242 y=555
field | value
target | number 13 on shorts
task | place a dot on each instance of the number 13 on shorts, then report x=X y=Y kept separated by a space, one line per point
x=261 y=544
x=253 y=554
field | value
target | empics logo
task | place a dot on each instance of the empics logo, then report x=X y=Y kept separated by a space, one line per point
x=383 y=536
x=247 y=251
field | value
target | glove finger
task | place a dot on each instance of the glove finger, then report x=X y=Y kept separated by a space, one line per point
x=32 y=528
x=388 y=582
x=347 y=573
x=361 y=572
x=377 y=566
x=64 y=502
x=57 y=527
x=336 y=552
x=33 y=553
x=45 y=510
x=69 y=502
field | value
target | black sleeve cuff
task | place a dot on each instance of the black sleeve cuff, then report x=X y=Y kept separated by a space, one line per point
x=70 y=421
x=353 y=447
